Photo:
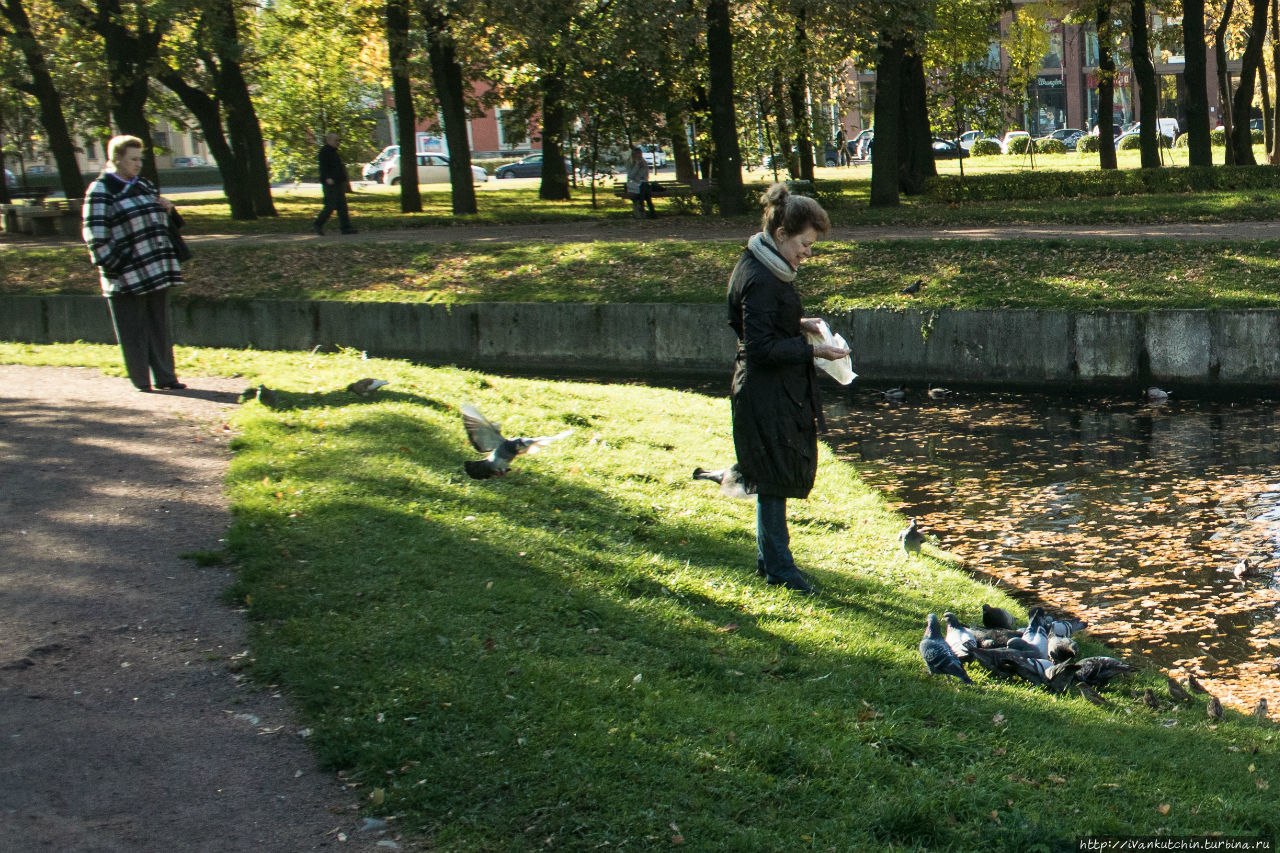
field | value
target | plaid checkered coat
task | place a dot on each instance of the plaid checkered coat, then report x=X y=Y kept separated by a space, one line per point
x=127 y=232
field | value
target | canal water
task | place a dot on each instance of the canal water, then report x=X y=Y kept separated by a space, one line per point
x=1127 y=515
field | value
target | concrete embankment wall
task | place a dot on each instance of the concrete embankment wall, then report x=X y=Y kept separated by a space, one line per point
x=1205 y=349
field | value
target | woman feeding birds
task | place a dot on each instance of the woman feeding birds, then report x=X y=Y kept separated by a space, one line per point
x=776 y=409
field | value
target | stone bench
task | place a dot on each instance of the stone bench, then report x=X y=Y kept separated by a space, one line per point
x=58 y=217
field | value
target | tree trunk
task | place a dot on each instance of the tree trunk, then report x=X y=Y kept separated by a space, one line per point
x=727 y=159
x=783 y=127
x=1199 y=149
x=397 y=30
x=799 y=106
x=1148 y=92
x=1264 y=87
x=1242 y=136
x=888 y=112
x=243 y=129
x=47 y=96
x=1106 y=90
x=446 y=76
x=916 y=165
x=1273 y=132
x=680 y=152
x=1224 y=80
x=555 y=181
x=232 y=169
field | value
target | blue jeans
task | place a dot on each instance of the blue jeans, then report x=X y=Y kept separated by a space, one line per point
x=773 y=541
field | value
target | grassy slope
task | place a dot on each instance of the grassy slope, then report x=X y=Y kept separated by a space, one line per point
x=580 y=654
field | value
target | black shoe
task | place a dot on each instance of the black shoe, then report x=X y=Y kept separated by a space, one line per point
x=319 y=229
x=793 y=580
x=171 y=386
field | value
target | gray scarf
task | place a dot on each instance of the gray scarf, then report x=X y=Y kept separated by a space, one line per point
x=766 y=251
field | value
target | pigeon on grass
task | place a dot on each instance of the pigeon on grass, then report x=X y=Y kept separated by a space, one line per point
x=486 y=437
x=365 y=387
x=730 y=480
x=938 y=655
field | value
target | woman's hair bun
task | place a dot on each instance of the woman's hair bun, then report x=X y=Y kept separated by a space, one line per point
x=775 y=196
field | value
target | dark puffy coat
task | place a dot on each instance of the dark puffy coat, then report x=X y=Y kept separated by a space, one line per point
x=775 y=403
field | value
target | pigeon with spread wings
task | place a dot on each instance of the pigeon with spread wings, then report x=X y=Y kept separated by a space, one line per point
x=486 y=437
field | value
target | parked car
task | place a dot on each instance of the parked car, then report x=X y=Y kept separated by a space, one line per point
x=528 y=167
x=947 y=149
x=189 y=162
x=969 y=137
x=41 y=169
x=854 y=145
x=1009 y=137
x=653 y=155
x=432 y=169
x=1068 y=136
x=373 y=169
x=864 y=144
x=1168 y=126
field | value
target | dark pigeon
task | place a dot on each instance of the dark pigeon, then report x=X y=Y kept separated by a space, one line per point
x=913 y=287
x=1060 y=676
x=730 y=480
x=486 y=437
x=365 y=387
x=938 y=655
x=1062 y=649
x=998 y=617
x=1097 y=671
x=997 y=661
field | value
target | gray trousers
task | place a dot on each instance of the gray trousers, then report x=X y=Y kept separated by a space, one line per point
x=142 y=328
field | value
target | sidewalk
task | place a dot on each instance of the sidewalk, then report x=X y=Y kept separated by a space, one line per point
x=126 y=726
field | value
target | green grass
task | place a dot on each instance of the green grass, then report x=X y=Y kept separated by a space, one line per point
x=1055 y=274
x=580 y=656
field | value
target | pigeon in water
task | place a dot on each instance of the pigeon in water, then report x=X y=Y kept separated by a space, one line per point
x=1242 y=569
x=938 y=655
x=913 y=287
x=365 y=387
x=486 y=437
x=1214 y=708
x=1062 y=649
x=1176 y=691
x=894 y=395
x=1157 y=395
x=1097 y=671
x=730 y=480
x=959 y=638
x=1195 y=685
x=1260 y=710
x=939 y=393
x=997 y=617
x=1150 y=699
x=268 y=397
x=911 y=538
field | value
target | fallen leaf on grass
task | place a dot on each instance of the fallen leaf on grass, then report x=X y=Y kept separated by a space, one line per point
x=1164 y=808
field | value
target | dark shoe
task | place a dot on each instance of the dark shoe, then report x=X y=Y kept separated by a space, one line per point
x=793 y=580
x=171 y=386
x=145 y=389
x=319 y=229
x=350 y=231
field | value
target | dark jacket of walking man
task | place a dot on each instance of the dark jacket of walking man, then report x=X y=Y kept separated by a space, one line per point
x=334 y=182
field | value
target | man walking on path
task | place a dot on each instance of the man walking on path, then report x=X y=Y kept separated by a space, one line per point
x=334 y=182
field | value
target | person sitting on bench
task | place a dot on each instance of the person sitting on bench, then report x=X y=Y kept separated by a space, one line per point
x=639 y=190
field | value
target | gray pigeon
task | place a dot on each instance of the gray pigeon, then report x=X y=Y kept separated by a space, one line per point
x=486 y=437
x=997 y=617
x=894 y=395
x=1038 y=637
x=959 y=638
x=1024 y=647
x=997 y=661
x=365 y=387
x=1060 y=676
x=939 y=393
x=1062 y=649
x=1097 y=671
x=1029 y=669
x=730 y=480
x=938 y=655
x=994 y=638
x=1066 y=627
x=911 y=538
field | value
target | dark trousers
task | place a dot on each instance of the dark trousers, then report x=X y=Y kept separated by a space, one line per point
x=335 y=199
x=142 y=328
x=640 y=199
x=773 y=540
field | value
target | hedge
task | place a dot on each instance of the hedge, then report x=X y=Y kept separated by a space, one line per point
x=1087 y=145
x=1039 y=184
x=985 y=148
x=1049 y=145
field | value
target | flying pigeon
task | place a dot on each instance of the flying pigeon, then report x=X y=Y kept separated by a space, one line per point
x=486 y=437
x=1097 y=671
x=1176 y=691
x=911 y=538
x=894 y=395
x=730 y=480
x=365 y=387
x=1062 y=649
x=997 y=617
x=913 y=287
x=938 y=655
x=1195 y=685
x=1214 y=708
x=959 y=638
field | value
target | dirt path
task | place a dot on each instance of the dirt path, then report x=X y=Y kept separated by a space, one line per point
x=125 y=727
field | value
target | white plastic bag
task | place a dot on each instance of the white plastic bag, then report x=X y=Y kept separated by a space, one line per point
x=840 y=370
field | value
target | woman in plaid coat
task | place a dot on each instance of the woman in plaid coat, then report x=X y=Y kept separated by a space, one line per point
x=126 y=226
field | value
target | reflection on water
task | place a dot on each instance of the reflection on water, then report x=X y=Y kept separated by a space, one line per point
x=1128 y=516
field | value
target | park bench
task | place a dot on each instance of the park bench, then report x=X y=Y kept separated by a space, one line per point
x=35 y=195
x=53 y=218
x=683 y=190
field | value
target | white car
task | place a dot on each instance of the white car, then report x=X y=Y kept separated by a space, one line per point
x=1009 y=137
x=373 y=169
x=432 y=169
x=654 y=157
x=969 y=137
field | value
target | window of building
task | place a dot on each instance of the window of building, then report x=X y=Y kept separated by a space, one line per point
x=160 y=138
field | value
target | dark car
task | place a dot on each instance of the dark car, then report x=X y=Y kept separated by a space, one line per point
x=529 y=167
x=946 y=149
